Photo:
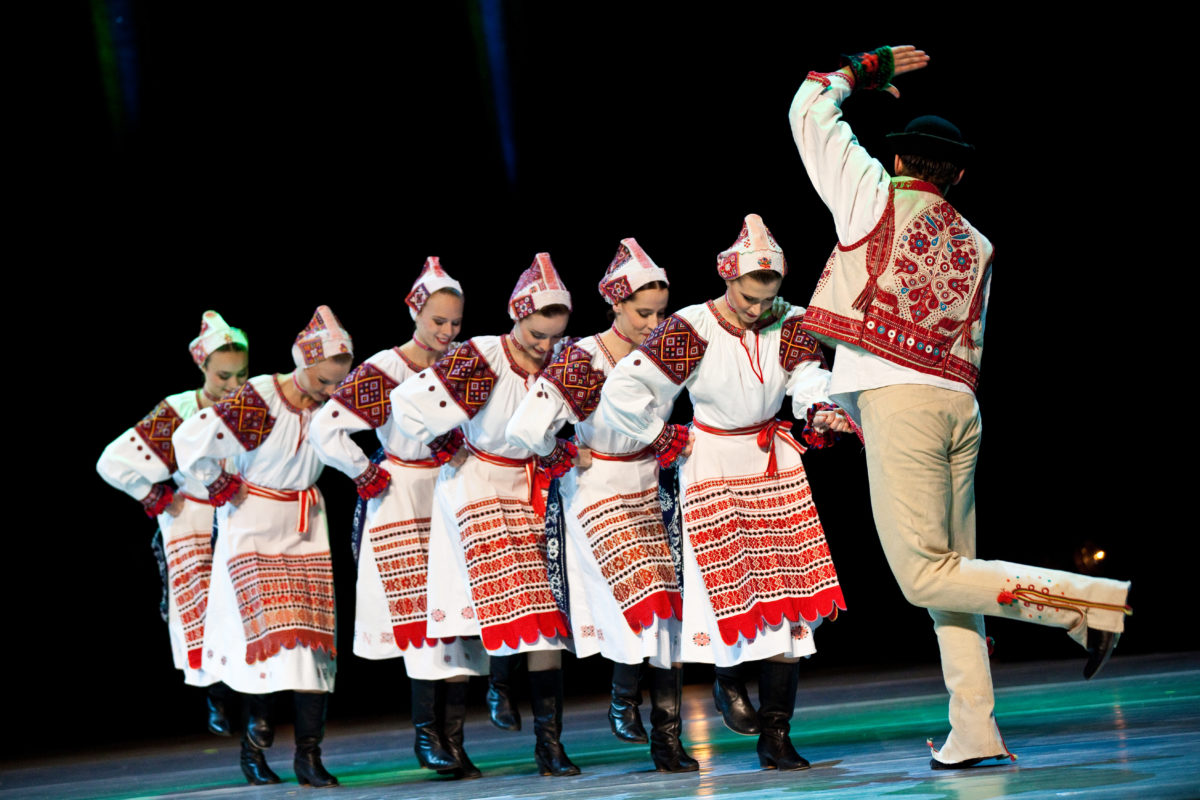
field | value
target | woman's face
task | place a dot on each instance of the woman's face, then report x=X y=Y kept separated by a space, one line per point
x=440 y=321
x=225 y=372
x=749 y=299
x=323 y=377
x=538 y=334
x=639 y=315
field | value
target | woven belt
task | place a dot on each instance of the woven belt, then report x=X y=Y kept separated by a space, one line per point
x=421 y=463
x=767 y=432
x=305 y=497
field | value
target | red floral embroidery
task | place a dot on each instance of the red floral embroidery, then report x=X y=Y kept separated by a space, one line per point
x=467 y=376
x=367 y=392
x=571 y=373
x=702 y=639
x=247 y=415
x=675 y=348
x=437 y=615
x=156 y=429
x=796 y=346
x=285 y=601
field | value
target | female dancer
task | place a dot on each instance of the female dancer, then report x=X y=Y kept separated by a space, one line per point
x=398 y=493
x=625 y=600
x=141 y=462
x=487 y=539
x=271 y=612
x=757 y=569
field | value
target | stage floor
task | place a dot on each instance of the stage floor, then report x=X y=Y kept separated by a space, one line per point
x=1132 y=732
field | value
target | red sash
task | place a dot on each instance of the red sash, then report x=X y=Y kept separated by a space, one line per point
x=768 y=431
x=305 y=497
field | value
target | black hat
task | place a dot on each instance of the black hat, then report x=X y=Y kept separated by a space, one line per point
x=933 y=137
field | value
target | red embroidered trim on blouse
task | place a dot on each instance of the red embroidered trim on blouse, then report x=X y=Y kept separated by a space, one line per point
x=467 y=376
x=248 y=416
x=796 y=346
x=156 y=429
x=572 y=374
x=367 y=392
x=675 y=348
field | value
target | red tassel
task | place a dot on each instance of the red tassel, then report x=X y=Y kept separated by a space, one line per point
x=863 y=301
x=1006 y=598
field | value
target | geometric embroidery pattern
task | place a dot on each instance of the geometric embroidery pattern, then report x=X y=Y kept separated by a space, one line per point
x=189 y=570
x=467 y=376
x=247 y=415
x=675 y=348
x=367 y=392
x=630 y=545
x=761 y=551
x=156 y=429
x=505 y=546
x=572 y=374
x=285 y=601
x=795 y=345
x=401 y=552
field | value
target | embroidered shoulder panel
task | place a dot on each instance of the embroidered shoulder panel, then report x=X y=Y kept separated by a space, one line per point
x=367 y=392
x=675 y=348
x=796 y=346
x=247 y=415
x=571 y=373
x=467 y=376
x=156 y=429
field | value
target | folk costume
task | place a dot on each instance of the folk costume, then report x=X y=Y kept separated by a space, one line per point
x=393 y=553
x=271 y=609
x=757 y=574
x=903 y=299
x=487 y=534
x=141 y=462
x=623 y=592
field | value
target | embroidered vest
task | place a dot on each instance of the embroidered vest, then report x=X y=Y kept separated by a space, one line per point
x=910 y=291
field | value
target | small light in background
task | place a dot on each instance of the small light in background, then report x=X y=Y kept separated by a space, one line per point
x=1089 y=558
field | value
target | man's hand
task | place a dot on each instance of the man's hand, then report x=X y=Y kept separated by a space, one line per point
x=825 y=421
x=905 y=58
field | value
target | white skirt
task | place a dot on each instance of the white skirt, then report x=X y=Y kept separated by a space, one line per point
x=187 y=543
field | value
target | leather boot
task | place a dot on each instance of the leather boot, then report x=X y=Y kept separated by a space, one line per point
x=777 y=700
x=430 y=745
x=499 y=694
x=254 y=764
x=547 y=687
x=260 y=727
x=665 y=725
x=623 y=715
x=455 y=714
x=310 y=730
x=733 y=701
x=218 y=699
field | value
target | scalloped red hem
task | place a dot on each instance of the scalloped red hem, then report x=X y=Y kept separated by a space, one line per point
x=271 y=644
x=661 y=604
x=527 y=628
x=760 y=615
x=411 y=634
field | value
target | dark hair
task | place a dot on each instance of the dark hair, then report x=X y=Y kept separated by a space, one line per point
x=341 y=358
x=612 y=314
x=939 y=173
x=764 y=276
x=553 y=310
x=230 y=347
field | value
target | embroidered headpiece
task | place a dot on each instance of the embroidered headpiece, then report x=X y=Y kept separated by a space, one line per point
x=214 y=333
x=324 y=337
x=538 y=287
x=630 y=270
x=432 y=278
x=754 y=249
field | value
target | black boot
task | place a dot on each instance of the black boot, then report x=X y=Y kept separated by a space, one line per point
x=430 y=745
x=310 y=730
x=260 y=730
x=501 y=709
x=254 y=764
x=455 y=714
x=623 y=714
x=665 y=725
x=729 y=693
x=547 y=689
x=777 y=700
x=218 y=700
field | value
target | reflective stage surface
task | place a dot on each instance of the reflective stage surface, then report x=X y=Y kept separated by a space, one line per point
x=1133 y=732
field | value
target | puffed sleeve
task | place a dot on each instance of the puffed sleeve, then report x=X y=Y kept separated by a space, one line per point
x=851 y=183
x=203 y=442
x=652 y=375
x=140 y=461
x=440 y=398
x=567 y=391
x=361 y=402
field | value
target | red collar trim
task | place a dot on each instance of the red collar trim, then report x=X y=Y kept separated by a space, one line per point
x=726 y=325
x=521 y=371
x=283 y=398
x=407 y=360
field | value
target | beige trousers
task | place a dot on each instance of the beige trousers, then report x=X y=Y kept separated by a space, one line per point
x=922 y=445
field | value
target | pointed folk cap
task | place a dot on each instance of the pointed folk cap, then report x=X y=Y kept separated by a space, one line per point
x=754 y=249
x=538 y=287
x=431 y=279
x=214 y=333
x=324 y=337
x=630 y=270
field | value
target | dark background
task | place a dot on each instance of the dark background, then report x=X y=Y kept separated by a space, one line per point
x=262 y=161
